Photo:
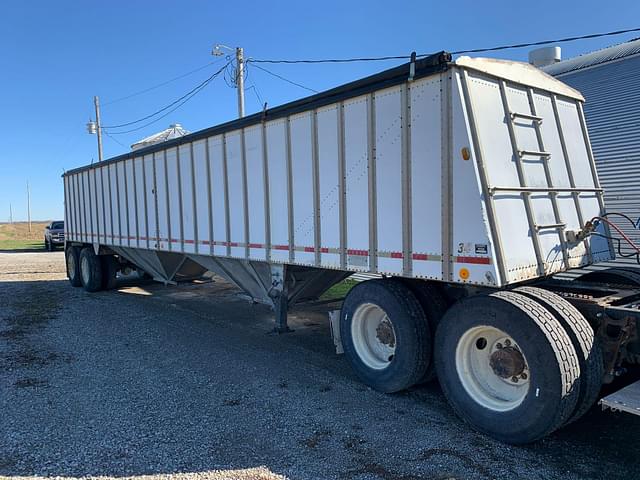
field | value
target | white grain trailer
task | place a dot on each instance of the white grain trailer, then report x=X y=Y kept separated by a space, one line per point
x=458 y=181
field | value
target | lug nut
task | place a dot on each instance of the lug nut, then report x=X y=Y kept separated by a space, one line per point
x=523 y=376
x=498 y=346
x=514 y=379
x=507 y=342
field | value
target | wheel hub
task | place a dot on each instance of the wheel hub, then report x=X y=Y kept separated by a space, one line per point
x=492 y=368
x=507 y=362
x=385 y=334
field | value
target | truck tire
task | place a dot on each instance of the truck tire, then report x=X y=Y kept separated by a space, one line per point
x=434 y=305
x=507 y=367
x=90 y=270
x=590 y=356
x=72 y=260
x=47 y=245
x=385 y=335
x=109 y=272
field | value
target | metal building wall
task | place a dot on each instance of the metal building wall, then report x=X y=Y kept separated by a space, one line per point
x=612 y=109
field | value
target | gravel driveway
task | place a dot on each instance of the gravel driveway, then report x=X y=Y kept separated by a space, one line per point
x=154 y=381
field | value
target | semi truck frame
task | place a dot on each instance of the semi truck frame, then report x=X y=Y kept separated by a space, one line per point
x=464 y=185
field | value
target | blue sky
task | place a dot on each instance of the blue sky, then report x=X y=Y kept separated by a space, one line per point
x=55 y=55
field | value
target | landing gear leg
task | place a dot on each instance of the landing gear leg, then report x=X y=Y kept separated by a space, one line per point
x=279 y=294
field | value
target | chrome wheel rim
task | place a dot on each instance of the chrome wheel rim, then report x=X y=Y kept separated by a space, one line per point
x=374 y=337
x=492 y=368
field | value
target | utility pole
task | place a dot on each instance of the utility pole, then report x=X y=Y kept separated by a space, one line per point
x=240 y=80
x=10 y=214
x=29 y=206
x=96 y=103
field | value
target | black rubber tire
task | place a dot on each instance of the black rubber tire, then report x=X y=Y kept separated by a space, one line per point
x=552 y=361
x=615 y=276
x=109 y=272
x=93 y=282
x=434 y=306
x=412 y=336
x=584 y=341
x=72 y=254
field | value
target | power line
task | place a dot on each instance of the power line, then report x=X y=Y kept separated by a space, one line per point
x=191 y=72
x=333 y=60
x=114 y=139
x=196 y=89
x=459 y=52
x=229 y=70
x=255 y=91
x=547 y=42
x=193 y=93
x=281 y=77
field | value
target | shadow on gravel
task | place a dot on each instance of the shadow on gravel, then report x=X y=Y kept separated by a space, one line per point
x=39 y=248
x=23 y=250
x=184 y=381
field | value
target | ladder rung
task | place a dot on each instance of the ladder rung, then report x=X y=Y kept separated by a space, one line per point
x=550 y=225
x=526 y=116
x=533 y=153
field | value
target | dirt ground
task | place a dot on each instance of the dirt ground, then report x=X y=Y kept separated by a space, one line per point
x=151 y=381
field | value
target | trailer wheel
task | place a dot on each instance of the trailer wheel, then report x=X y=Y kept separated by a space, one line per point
x=72 y=260
x=90 y=270
x=507 y=367
x=434 y=305
x=385 y=335
x=109 y=271
x=582 y=337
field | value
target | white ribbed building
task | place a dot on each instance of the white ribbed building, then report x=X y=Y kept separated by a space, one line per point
x=609 y=79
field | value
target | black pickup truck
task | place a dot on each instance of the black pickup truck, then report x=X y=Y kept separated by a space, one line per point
x=54 y=235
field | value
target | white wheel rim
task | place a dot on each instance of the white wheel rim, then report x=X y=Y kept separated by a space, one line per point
x=71 y=265
x=493 y=386
x=374 y=337
x=84 y=269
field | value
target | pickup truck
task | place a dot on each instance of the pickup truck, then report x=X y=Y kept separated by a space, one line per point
x=54 y=235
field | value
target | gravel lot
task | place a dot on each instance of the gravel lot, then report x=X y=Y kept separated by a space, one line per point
x=152 y=381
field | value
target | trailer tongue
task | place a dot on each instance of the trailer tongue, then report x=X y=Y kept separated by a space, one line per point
x=456 y=180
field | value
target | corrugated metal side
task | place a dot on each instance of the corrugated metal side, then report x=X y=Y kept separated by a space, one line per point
x=612 y=109
x=377 y=207
x=592 y=59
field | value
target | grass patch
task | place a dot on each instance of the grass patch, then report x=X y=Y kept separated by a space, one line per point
x=16 y=236
x=339 y=290
x=21 y=245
